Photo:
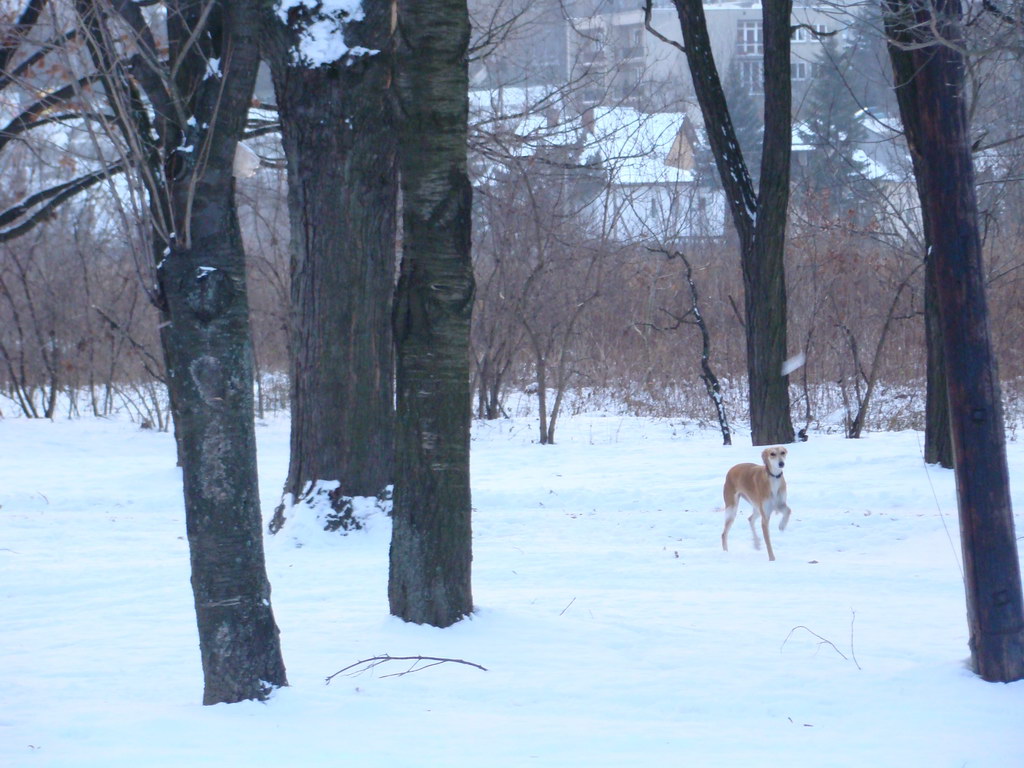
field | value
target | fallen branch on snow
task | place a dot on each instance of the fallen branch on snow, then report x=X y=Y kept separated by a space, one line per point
x=418 y=664
x=826 y=641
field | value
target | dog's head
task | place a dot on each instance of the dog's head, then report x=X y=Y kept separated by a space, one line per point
x=774 y=459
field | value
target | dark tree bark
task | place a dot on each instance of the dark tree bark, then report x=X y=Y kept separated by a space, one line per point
x=938 y=443
x=938 y=440
x=431 y=545
x=340 y=142
x=925 y=46
x=759 y=217
x=187 y=170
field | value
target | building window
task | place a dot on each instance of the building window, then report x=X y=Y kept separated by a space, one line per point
x=749 y=37
x=752 y=74
x=799 y=70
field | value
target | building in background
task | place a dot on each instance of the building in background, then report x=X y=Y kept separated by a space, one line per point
x=624 y=62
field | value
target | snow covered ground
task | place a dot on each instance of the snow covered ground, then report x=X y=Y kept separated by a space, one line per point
x=613 y=629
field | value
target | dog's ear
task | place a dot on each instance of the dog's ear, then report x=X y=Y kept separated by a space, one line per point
x=764 y=457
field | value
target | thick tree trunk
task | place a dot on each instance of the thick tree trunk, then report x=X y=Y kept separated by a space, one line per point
x=180 y=125
x=209 y=362
x=431 y=545
x=340 y=143
x=764 y=267
x=760 y=219
x=930 y=82
x=210 y=366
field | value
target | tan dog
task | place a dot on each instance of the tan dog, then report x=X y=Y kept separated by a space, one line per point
x=763 y=486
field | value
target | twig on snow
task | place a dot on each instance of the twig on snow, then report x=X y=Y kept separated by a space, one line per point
x=824 y=641
x=853 y=653
x=419 y=663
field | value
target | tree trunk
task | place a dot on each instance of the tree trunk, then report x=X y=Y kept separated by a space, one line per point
x=340 y=143
x=210 y=366
x=431 y=545
x=209 y=352
x=929 y=73
x=183 y=155
x=542 y=391
x=760 y=219
x=938 y=441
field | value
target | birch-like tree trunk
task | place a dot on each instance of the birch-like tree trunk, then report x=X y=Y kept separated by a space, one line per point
x=431 y=545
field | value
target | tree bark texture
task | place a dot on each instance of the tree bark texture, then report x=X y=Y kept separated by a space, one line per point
x=925 y=45
x=938 y=440
x=340 y=142
x=759 y=217
x=184 y=157
x=938 y=445
x=431 y=546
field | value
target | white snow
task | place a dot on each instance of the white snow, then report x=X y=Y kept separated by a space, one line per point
x=613 y=629
x=322 y=39
x=212 y=73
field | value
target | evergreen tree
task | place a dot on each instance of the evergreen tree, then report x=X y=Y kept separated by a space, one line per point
x=834 y=174
x=746 y=119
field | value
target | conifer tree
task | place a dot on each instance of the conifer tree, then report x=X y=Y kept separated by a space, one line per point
x=834 y=175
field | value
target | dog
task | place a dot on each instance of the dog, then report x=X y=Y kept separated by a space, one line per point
x=764 y=487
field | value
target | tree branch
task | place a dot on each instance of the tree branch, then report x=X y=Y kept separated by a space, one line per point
x=45 y=201
x=650 y=28
x=824 y=641
x=367 y=665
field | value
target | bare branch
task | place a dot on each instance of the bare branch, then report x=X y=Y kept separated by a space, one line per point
x=821 y=640
x=367 y=665
x=150 y=363
x=650 y=28
x=30 y=115
x=45 y=201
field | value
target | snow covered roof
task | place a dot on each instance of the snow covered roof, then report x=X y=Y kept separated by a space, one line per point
x=631 y=146
x=639 y=148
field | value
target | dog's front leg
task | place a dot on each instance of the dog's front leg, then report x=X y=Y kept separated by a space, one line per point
x=753 y=528
x=767 y=536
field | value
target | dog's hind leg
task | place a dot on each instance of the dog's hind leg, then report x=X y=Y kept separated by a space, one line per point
x=730 y=515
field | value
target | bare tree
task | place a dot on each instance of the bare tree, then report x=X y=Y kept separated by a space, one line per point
x=694 y=316
x=178 y=93
x=759 y=216
x=926 y=44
